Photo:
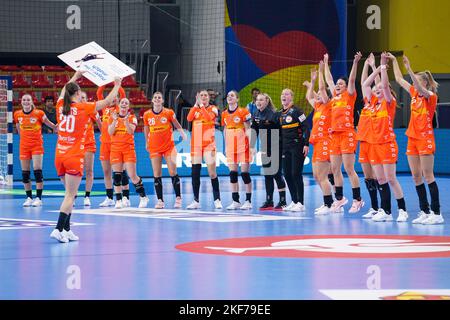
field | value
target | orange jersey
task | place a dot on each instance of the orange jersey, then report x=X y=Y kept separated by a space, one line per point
x=202 y=125
x=422 y=112
x=321 y=128
x=160 y=129
x=106 y=115
x=72 y=128
x=90 y=135
x=121 y=139
x=376 y=122
x=235 y=137
x=342 y=108
x=30 y=126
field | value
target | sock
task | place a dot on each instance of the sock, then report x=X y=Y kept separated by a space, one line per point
x=268 y=181
x=176 y=185
x=140 y=188
x=423 y=201
x=39 y=193
x=339 y=193
x=372 y=187
x=29 y=193
x=434 y=191
x=235 y=196
x=196 y=168
x=269 y=198
x=61 y=221
x=216 y=190
x=159 y=188
x=385 y=192
x=67 y=224
x=356 y=193
x=401 y=204
x=248 y=197
x=282 y=196
x=87 y=194
x=328 y=200
x=109 y=193
x=118 y=196
x=126 y=193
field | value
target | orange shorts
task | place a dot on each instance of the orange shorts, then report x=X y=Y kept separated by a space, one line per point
x=90 y=147
x=123 y=156
x=343 y=142
x=321 y=151
x=172 y=153
x=238 y=157
x=384 y=153
x=418 y=147
x=105 y=151
x=199 y=151
x=27 y=152
x=71 y=165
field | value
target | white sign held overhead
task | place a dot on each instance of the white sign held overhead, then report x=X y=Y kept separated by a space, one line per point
x=101 y=66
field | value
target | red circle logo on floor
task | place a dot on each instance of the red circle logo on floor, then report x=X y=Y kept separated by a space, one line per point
x=326 y=246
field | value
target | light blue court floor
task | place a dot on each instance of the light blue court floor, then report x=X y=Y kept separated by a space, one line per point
x=209 y=254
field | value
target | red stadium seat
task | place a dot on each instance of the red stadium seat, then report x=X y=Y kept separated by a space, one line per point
x=40 y=81
x=10 y=68
x=68 y=68
x=85 y=83
x=20 y=81
x=60 y=80
x=54 y=69
x=91 y=96
x=32 y=68
x=129 y=82
x=138 y=97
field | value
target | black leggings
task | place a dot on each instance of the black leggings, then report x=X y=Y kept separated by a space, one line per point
x=269 y=177
x=293 y=160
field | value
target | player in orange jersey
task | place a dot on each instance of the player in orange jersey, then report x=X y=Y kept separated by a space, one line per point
x=105 y=152
x=343 y=135
x=90 y=147
x=29 y=122
x=158 y=131
x=203 y=146
x=121 y=128
x=381 y=150
x=421 y=146
x=236 y=122
x=321 y=137
x=73 y=118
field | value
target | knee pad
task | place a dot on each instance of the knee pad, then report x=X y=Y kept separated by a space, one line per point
x=175 y=180
x=38 y=176
x=125 y=180
x=233 y=176
x=117 y=178
x=246 y=177
x=331 y=179
x=25 y=176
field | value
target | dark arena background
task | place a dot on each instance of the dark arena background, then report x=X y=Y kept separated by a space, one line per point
x=178 y=48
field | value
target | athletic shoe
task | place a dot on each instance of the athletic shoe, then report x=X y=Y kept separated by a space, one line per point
x=70 y=235
x=382 y=216
x=290 y=206
x=322 y=211
x=126 y=202
x=56 y=234
x=338 y=204
x=193 y=206
x=319 y=208
x=28 y=202
x=433 y=219
x=299 y=207
x=143 y=202
x=420 y=217
x=268 y=205
x=159 y=204
x=87 y=202
x=280 y=206
x=177 y=204
x=107 y=203
x=370 y=213
x=247 y=205
x=402 y=216
x=356 y=206
x=37 y=203
x=119 y=204
x=234 y=206
x=218 y=204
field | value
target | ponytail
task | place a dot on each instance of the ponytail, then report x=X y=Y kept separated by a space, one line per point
x=71 y=89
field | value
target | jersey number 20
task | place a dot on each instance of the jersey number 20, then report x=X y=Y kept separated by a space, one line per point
x=67 y=123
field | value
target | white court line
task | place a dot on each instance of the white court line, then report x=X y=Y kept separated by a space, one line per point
x=177 y=214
